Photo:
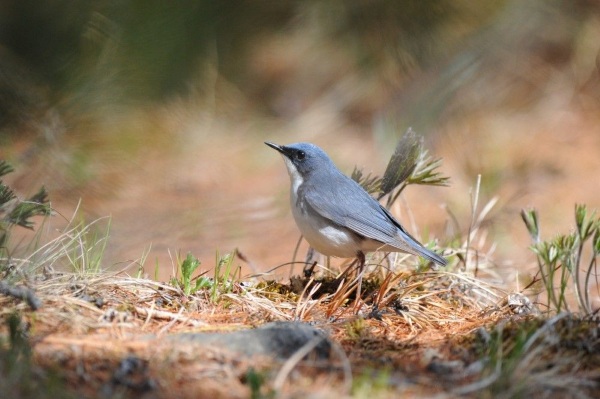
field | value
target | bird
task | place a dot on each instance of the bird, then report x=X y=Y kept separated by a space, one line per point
x=336 y=215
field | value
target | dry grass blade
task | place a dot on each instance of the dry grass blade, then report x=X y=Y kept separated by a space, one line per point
x=254 y=303
x=292 y=361
x=152 y=313
x=306 y=303
x=176 y=318
x=386 y=286
x=341 y=296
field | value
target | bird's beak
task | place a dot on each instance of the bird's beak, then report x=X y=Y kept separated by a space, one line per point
x=277 y=147
x=286 y=152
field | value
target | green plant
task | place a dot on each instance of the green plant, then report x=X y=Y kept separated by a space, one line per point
x=186 y=269
x=561 y=260
x=225 y=275
x=409 y=164
x=356 y=328
x=256 y=381
x=536 y=358
x=84 y=246
x=189 y=265
x=79 y=248
x=17 y=212
x=223 y=280
x=371 y=383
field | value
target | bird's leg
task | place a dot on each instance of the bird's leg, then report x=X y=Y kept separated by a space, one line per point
x=360 y=257
x=312 y=257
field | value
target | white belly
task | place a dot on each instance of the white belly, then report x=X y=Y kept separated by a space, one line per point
x=321 y=235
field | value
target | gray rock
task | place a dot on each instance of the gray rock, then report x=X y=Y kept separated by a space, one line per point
x=277 y=339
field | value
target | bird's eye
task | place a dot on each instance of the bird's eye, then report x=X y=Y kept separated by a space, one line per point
x=300 y=155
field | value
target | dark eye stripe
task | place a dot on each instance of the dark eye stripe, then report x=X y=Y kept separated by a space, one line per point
x=301 y=155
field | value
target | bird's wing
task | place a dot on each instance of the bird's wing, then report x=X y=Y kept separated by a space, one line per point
x=339 y=204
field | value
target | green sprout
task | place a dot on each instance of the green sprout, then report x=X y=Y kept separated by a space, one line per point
x=223 y=280
x=560 y=260
x=186 y=269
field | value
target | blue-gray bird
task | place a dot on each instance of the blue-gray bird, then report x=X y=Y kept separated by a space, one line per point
x=336 y=215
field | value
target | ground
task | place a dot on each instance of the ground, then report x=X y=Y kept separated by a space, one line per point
x=110 y=335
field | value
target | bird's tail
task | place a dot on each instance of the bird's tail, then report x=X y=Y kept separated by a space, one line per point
x=430 y=255
x=407 y=243
x=414 y=247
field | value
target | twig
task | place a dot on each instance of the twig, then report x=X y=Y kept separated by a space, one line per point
x=162 y=315
x=22 y=293
x=290 y=363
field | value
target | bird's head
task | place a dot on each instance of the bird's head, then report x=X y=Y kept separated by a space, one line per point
x=303 y=159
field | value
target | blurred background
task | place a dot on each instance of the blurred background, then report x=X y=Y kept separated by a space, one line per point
x=154 y=113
